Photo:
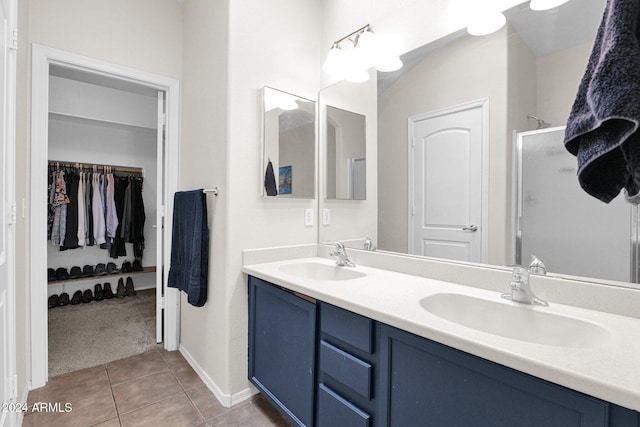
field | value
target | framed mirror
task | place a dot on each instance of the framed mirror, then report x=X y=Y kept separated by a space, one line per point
x=526 y=77
x=289 y=145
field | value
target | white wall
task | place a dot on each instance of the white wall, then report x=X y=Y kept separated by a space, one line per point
x=142 y=34
x=232 y=50
x=204 y=147
x=558 y=77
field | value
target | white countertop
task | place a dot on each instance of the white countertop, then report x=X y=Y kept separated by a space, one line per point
x=609 y=370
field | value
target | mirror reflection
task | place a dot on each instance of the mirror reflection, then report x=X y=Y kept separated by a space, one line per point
x=288 y=145
x=522 y=78
x=346 y=162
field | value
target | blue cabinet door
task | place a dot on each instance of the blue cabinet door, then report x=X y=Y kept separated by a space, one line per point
x=424 y=383
x=282 y=331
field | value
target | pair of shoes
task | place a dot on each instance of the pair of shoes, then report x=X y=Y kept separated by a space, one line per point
x=75 y=273
x=137 y=265
x=63 y=299
x=87 y=271
x=87 y=296
x=62 y=274
x=53 y=301
x=98 y=293
x=77 y=298
x=126 y=267
x=125 y=291
x=107 y=293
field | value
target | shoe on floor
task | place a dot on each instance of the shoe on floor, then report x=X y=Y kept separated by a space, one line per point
x=87 y=296
x=98 y=294
x=107 y=292
x=77 y=298
x=53 y=301
x=120 y=293
x=129 y=290
x=64 y=299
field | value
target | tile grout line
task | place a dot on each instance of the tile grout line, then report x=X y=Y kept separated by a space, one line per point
x=113 y=395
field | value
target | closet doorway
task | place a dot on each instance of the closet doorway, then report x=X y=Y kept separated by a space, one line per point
x=101 y=120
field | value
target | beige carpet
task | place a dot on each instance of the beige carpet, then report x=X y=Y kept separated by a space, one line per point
x=85 y=335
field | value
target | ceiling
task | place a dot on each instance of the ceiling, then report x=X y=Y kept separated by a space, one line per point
x=545 y=32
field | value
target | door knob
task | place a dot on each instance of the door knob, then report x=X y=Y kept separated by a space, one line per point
x=472 y=227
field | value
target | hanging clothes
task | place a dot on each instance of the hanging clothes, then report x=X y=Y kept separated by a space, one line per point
x=99 y=225
x=81 y=212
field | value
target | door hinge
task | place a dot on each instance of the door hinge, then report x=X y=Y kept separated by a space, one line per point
x=13 y=392
x=13 y=38
x=161 y=303
x=163 y=119
x=12 y=213
x=162 y=213
x=413 y=210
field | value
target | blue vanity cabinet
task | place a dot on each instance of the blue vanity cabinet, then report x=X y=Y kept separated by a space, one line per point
x=424 y=383
x=282 y=349
x=347 y=369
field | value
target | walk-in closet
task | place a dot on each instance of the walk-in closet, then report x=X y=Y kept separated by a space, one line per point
x=103 y=198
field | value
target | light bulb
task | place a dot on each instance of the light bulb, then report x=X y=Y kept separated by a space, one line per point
x=389 y=63
x=334 y=64
x=486 y=23
x=545 y=4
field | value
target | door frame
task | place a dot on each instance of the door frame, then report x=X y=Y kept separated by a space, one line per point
x=483 y=105
x=42 y=57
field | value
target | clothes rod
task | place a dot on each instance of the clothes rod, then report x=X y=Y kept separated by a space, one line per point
x=214 y=190
x=91 y=166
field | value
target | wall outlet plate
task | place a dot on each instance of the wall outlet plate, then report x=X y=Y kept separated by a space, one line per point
x=308 y=217
x=326 y=216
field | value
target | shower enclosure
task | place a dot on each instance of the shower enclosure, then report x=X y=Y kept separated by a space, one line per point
x=572 y=232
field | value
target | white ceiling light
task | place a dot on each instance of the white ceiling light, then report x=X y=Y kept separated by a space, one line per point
x=486 y=23
x=545 y=4
x=364 y=51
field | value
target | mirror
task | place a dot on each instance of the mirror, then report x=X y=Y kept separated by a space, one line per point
x=346 y=163
x=523 y=77
x=289 y=129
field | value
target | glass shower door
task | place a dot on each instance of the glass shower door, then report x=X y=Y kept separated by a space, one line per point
x=572 y=232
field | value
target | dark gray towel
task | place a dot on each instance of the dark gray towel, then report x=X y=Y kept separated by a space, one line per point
x=270 y=181
x=190 y=246
x=602 y=130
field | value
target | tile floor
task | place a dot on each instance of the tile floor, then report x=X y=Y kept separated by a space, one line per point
x=157 y=388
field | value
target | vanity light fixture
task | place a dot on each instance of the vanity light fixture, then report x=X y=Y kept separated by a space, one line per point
x=545 y=4
x=486 y=22
x=351 y=56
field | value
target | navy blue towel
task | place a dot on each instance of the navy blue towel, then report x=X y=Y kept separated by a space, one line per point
x=602 y=130
x=190 y=246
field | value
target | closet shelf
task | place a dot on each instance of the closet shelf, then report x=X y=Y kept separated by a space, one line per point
x=151 y=269
x=79 y=118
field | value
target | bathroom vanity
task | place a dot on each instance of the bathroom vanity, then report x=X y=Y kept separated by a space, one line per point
x=338 y=350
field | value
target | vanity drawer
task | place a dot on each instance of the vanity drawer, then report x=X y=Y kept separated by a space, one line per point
x=334 y=410
x=348 y=327
x=346 y=368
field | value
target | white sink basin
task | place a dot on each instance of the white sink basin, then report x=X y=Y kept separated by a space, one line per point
x=318 y=271
x=520 y=322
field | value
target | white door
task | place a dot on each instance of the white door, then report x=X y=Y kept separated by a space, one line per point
x=7 y=217
x=445 y=200
x=160 y=241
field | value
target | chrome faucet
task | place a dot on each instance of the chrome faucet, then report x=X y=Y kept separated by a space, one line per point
x=342 y=260
x=368 y=244
x=521 y=289
x=537 y=266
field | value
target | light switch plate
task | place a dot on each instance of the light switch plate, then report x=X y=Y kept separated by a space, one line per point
x=308 y=217
x=326 y=216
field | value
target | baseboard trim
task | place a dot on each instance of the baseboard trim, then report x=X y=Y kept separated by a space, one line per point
x=226 y=400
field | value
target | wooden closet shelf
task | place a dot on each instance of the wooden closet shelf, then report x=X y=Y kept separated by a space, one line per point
x=103 y=278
